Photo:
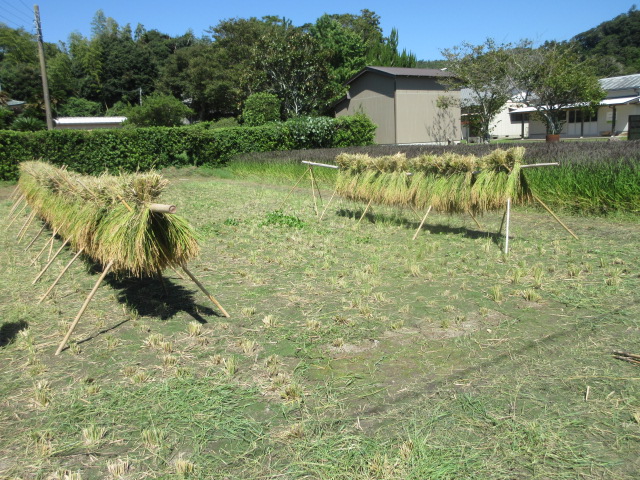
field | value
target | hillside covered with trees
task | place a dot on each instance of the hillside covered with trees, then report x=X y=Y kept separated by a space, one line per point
x=614 y=45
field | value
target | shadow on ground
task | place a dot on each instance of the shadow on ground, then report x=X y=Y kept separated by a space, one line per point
x=402 y=221
x=8 y=331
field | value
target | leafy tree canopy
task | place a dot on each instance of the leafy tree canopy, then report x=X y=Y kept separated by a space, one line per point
x=614 y=44
x=158 y=110
x=554 y=78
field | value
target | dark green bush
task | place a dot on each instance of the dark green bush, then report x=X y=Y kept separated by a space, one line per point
x=114 y=150
x=79 y=107
x=261 y=108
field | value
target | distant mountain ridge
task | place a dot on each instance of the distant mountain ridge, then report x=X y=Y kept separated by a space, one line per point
x=614 y=45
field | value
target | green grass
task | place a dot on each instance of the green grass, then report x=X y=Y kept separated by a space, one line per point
x=351 y=353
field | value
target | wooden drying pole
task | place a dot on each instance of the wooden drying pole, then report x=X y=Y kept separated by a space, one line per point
x=64 y=270
x=554 y=216
x=14 y=193
x=84 y=307
x=507 y=213
x=310 y=170
x=204 y=290
x=314 y=187
x=292 y=189
x=50 y=241
x=15 y=204
x=26 y=225
x=15 y=217
x=415 y=235
x=44 y=225
x=35 y=280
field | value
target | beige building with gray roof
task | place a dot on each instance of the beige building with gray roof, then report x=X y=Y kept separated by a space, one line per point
x=409 y=105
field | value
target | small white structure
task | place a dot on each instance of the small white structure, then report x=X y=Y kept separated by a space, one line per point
x=88 y=123
x=611 y=118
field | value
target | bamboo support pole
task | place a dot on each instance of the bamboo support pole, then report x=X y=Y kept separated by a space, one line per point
x=84 y=307
x=44 y=225
x=50 y=241
x=35 y=280
x=504 y=215
x=313 y=191
x=161 y=208
x=363 y=213
x=320 y=164
x=204 y=290
x=315 y=182
x=415 y=235
x=15 y=217
x=64 y=270
x=415 y=212
x=335 y=190
x=533 y=165
x=128 y=207
x=291 y=191
x=25 y=225
x=555 y=216
x=626 y=354
x=475 y=220
x=14 y=193
x=50 y=250
x=15 y=204
x=506 y=230
x=177 y=272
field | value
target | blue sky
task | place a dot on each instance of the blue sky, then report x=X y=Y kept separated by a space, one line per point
x=425 y=27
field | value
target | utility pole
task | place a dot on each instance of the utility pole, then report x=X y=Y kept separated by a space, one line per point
x=43 y=69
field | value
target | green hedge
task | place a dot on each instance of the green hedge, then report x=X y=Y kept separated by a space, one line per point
x=93 y=152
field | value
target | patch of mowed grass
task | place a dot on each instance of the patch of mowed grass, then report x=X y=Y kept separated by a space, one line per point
x=148 y=422
x=350 y=352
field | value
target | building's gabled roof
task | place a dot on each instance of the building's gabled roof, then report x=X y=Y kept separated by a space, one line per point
x=403 y=72
x=15 y=103
x=625 y=82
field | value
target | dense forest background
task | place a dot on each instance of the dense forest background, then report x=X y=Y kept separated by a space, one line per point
x=304 y=66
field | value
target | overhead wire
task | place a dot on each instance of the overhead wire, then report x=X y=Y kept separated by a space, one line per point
x=20 y=13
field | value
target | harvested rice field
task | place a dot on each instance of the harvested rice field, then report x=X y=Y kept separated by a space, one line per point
x=351 y=350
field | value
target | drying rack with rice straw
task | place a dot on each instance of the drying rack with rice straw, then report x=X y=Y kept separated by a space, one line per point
x=113 y=220
x=448 y=183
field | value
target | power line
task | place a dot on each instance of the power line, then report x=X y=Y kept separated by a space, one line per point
x=25 y=5
x=19 y=12
x=11 y=21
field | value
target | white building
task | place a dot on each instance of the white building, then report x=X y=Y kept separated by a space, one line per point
x=88 y=123
x=611 y=118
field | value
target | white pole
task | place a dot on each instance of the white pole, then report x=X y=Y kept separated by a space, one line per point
x=506 y=239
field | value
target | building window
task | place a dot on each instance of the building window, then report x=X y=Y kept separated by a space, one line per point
x=519 y=117
x=578 y=116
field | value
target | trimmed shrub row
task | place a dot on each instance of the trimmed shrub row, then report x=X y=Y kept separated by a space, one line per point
x=128 y=150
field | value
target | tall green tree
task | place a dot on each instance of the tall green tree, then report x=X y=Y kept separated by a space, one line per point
x=292 y=65
x=554 y=78
x=344 y=48
x=485 y=70
x=19 y=69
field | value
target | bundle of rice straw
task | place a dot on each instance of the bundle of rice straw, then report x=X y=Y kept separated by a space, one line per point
x=109 y=217
x=450 y=183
